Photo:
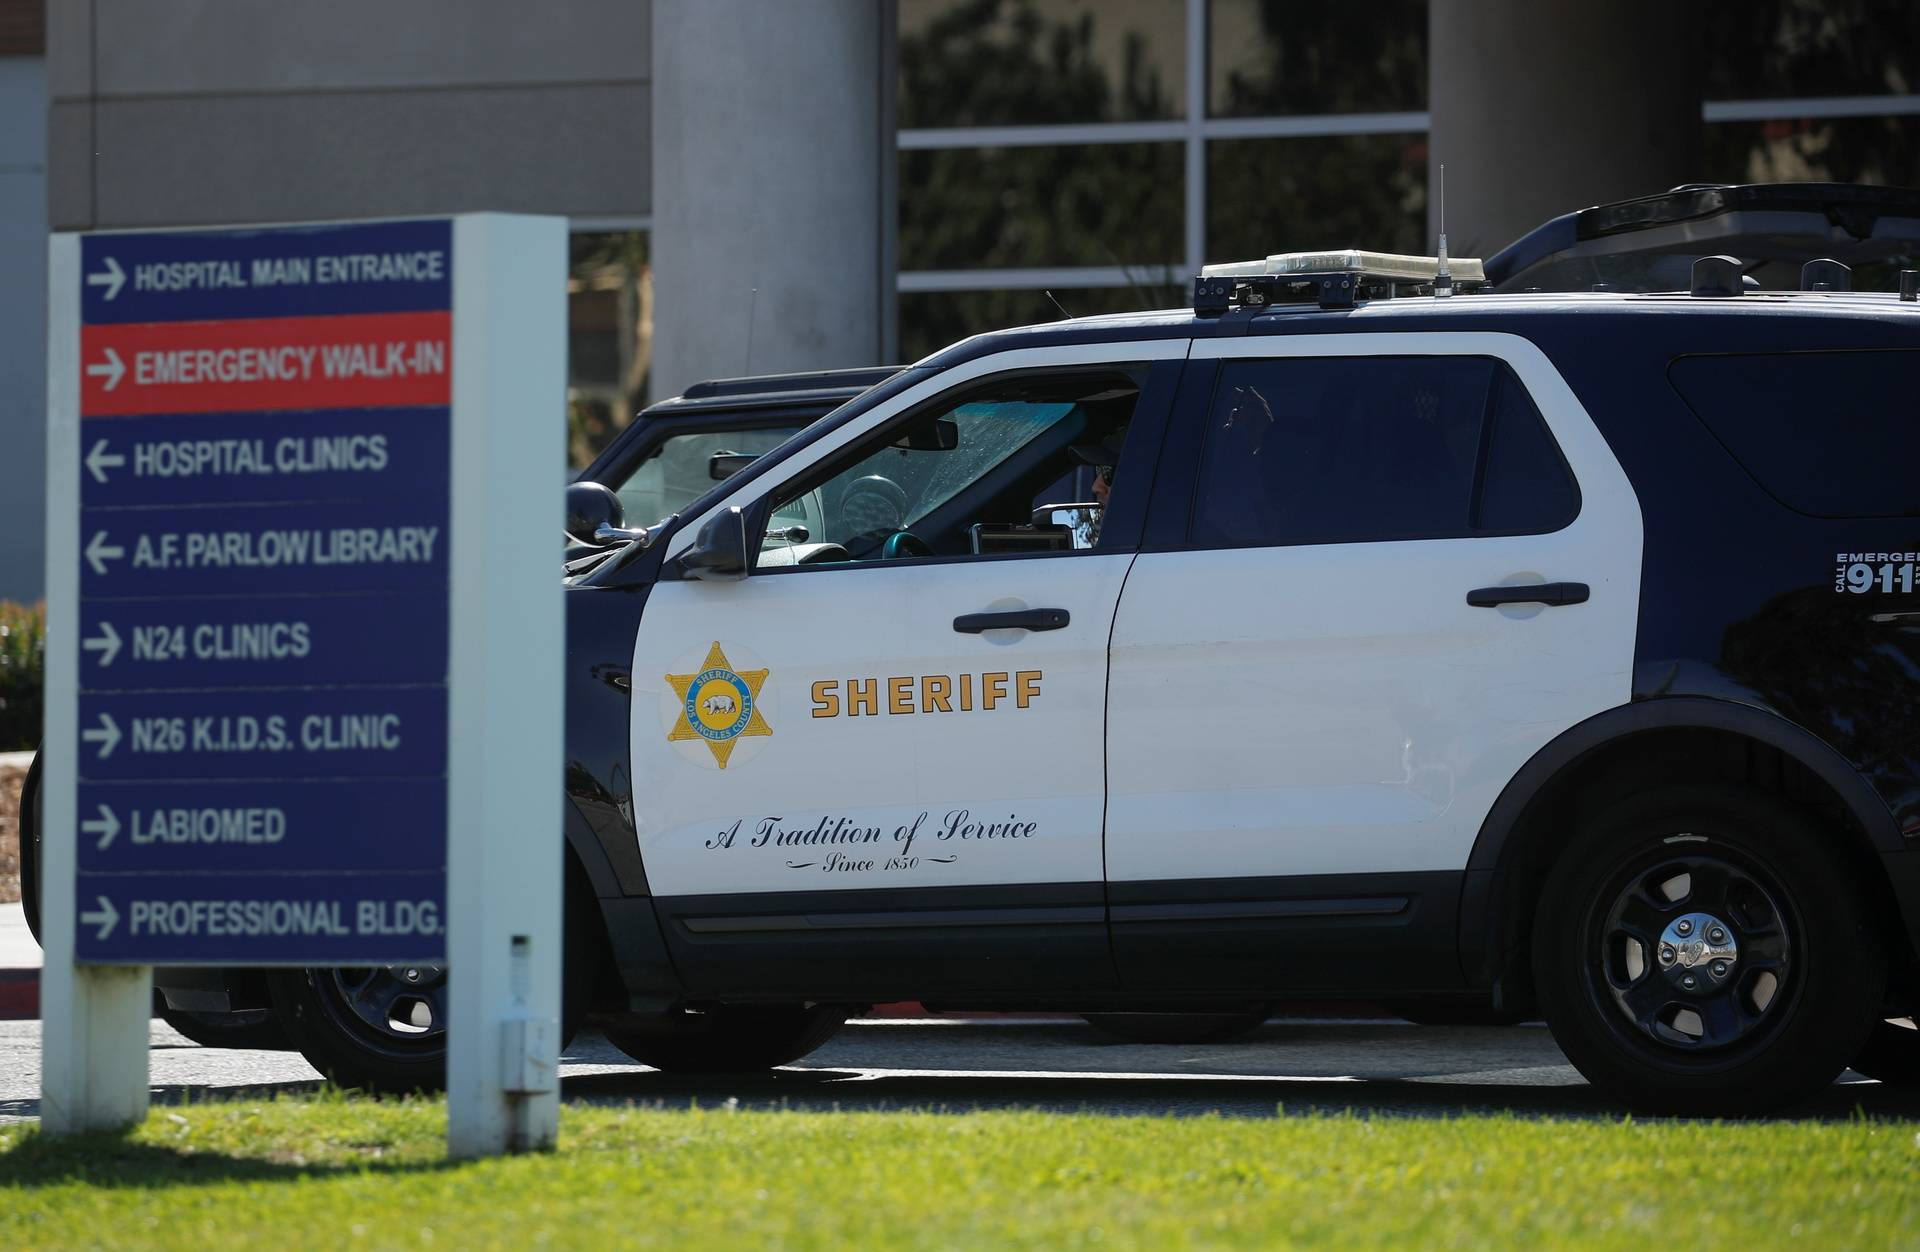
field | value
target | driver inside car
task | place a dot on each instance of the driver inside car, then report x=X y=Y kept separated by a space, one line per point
x=973 y=479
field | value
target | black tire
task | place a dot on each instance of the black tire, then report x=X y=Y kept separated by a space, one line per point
x=30 y=826
x=1891 y=1053
x=1771 y=1023
x=731 y=1038
x=251 y=1028
x=334 y=1017
x=1180 y=1028
x=1454 y=1012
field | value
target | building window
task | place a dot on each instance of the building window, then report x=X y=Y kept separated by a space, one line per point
x=1105 y=151
x=1086 y=204
x=609 y=337
x=1279 y=58
x=1040 y=62
x=1302 y=195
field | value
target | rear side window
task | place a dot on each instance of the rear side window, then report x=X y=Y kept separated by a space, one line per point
x=1348 y=449
x=1832 y=434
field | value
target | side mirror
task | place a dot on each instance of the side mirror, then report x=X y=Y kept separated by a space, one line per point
x=942 y=434
x=724 y=465
x=719 y=551
x=591 y=506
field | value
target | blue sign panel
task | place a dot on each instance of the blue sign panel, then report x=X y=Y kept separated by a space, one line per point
x=283 y=732
x=302 y=271
x=264 y=493
x=364 y=454
x=230 y=827
x=251 y=919
x=278 y=549
x=258 y=641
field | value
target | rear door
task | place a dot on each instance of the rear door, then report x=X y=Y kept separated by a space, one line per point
x=1411 y=560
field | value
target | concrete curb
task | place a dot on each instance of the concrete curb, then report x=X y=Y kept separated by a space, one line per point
x=19 y=995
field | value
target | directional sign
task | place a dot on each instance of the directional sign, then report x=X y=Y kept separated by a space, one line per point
x=304 y=699
x=264 y=487
x=374 y=454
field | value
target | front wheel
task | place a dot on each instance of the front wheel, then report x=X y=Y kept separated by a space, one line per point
x=1706 y=951
x=730 y=1038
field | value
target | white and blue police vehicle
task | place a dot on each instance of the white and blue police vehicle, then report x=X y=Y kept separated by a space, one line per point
x=1361 y=632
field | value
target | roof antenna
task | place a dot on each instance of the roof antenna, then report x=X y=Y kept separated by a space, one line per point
x=1060 y=306
x=1442 y=276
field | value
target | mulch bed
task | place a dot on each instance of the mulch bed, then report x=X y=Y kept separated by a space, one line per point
x=11 y=780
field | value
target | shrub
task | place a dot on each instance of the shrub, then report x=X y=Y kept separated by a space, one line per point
x=23 y=652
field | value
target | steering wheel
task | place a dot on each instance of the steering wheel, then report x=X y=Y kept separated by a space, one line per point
x=904 y=543
x=874 y=502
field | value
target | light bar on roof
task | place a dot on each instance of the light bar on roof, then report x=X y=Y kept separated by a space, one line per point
x=1387 y=266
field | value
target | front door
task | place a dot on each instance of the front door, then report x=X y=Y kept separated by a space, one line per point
x=875 y=766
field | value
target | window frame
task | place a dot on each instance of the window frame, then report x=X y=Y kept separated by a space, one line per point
x=1539 y=381
x=1160 y=358
x=946 y=402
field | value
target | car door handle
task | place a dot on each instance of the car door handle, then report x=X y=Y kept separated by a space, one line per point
x=1018 y=619
x=1529 y=593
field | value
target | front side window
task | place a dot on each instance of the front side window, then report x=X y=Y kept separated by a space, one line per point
x=1346 y=449
x=1019 y=465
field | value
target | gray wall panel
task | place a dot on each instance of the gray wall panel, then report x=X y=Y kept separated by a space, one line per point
x=23 y=327
x=69 y=48
x=212 y=46
x=70 y=165
x=571 y=150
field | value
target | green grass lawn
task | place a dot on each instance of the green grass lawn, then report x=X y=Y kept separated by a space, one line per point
x=329 y=1172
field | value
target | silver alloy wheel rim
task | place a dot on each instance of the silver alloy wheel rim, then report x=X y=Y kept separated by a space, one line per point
x=403 y=1003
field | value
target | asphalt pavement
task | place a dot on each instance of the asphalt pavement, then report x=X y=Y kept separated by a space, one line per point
x=1286 y=1067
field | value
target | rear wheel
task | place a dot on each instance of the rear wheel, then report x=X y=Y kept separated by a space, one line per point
x=730 y=1038
x=1891 y=1053
x=1706 y=951
x=1180 y=1028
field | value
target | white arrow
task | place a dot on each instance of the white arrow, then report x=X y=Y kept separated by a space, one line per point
x=106 y=917
x=111 y=371
x=99 y=461
x=106 y=826
x=99 y=552
x=106 y=734
x=111 y=280
x=107 y=644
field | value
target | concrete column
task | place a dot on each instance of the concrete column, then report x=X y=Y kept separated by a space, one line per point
x=1541 y=107
x=772 y=145
x=23 y=327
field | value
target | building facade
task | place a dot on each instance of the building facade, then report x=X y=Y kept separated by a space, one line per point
x=758 y=185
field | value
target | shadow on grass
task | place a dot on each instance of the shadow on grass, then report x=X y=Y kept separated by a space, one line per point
x=178 y=1094
x=113 y=1160
x=1131 y=1095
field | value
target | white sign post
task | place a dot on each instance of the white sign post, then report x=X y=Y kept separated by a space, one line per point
x=346 y=435
x=505 y=707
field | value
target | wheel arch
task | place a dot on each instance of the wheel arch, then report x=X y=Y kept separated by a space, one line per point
x=1649 y=743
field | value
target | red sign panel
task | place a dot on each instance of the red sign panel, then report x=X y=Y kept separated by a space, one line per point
x=354 y=361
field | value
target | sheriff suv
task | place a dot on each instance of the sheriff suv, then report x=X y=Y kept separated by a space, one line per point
x=1563 y=647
